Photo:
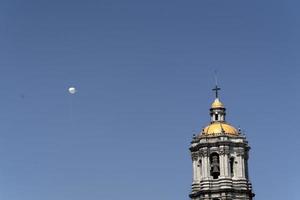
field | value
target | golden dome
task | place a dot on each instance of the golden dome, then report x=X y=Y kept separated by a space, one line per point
x=217 y=128
x=217 y=104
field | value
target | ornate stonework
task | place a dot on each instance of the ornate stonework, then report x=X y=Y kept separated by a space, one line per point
x=220 y=154
x=194 y=156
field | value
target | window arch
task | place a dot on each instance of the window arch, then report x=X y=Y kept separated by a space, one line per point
x=214 y=165
x=216 y=117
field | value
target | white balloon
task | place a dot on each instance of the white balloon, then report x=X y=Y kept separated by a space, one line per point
x=72 y=90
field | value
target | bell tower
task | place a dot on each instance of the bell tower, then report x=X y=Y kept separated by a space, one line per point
x=220 y=159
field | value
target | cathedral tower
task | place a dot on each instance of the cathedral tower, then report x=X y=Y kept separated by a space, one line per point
x=220 y=160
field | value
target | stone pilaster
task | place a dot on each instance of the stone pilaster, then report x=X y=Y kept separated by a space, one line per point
x=195 y=159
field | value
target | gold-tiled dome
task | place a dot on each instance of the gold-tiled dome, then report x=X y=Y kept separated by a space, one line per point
x=217 y=104
x=217 y=128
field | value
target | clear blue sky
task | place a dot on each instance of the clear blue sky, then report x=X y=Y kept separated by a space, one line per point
x=144 y=73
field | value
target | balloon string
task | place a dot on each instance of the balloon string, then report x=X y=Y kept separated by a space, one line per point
x=71 y=110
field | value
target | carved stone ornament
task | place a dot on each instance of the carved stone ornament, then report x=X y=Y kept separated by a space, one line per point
x=227 y=150
x=240 y=152
x=204 y=152
x=201 y=154
x=194 y=156
x=222 y=150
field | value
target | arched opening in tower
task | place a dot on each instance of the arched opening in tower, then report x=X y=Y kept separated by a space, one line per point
x=215 y=166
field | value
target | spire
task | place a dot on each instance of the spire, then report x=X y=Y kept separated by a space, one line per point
x=217 y=103
x=217 y=110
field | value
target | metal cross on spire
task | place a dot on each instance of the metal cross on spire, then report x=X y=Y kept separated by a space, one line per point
x=216 y=89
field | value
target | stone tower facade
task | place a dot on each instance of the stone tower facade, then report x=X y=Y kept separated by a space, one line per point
x=220 y=160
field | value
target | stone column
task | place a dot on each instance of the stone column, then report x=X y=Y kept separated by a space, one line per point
x=204 y=175
x=194 y=159
x=241 y=164
x=205 y=163
x=226 y=161
x=222 y=161
x=199 y=169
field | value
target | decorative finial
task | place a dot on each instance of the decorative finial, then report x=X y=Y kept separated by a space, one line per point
x=194 y=134
x=240 y=130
